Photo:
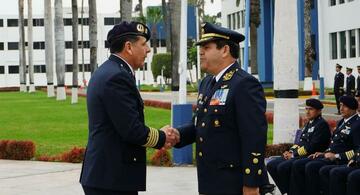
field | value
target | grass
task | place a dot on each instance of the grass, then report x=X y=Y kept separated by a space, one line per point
x=57 y=126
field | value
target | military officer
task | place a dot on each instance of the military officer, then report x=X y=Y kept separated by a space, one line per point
x=305 y=177
x=315 y=137
x=335 y=179
x=350 y=83
x=358 y=83
x=115 y=155
x=229 y=126
x=338 y=86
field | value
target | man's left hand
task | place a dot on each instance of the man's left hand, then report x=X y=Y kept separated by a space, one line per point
x=250 y=190
x=330 y=156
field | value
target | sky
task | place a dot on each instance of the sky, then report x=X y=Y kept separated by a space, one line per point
x=10 y=7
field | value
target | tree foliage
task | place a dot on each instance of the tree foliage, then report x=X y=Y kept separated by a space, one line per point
x=162 y=60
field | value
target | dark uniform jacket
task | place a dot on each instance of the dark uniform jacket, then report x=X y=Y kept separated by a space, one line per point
x=115 y=155
x=229 y=128
x=350 y=85
x=315 y=137
x=345 y=139
x=358 y=86
x=356 y=157
x=339 y=83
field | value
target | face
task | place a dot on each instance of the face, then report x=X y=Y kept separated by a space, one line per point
x=359 y=70
x=348 y=72
x=210 y=57
x=338 y=69
x=138 y=52
x=311 y=113
x=345 y=111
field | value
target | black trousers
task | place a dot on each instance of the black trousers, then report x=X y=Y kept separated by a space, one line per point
x=297 y=177
x=344 y=180
x=353 y=184
x=325 y=178
x=280 y=170
x=337 y=97
x=99 y=191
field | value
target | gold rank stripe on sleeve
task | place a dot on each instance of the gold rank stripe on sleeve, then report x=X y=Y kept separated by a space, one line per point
x=153 y=138
x=349 y=154
x=301 y=151
x=294 y=146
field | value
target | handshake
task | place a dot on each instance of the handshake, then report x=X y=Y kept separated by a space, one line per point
x=172 y=136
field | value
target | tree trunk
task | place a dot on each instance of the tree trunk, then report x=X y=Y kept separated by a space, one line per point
x=308 y=50
x=286 y=78
x=165 y=7
x=125 y=10
x=22 y=55
x=60 y=51
x=93 y=35
x=154 y=38
x=253 y=43
x=175 y=12
x=49 y=48
x=75 y=26
x=30 y=47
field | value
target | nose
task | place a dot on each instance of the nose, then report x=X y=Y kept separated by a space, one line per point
x=148 y=48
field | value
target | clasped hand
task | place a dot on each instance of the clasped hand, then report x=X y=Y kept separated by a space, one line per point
x=172 y=136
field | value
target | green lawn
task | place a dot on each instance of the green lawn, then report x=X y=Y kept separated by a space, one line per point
x=57 y=126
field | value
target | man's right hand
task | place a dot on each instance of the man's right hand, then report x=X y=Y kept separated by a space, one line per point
x=172 y=136
x=287 y=155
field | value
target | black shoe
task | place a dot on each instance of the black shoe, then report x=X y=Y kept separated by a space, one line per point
x=267 y=188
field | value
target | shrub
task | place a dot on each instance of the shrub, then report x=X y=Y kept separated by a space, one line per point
x=75 y=155
x=159 y=61
x=17 y=150
x=276 y=149
x=161 y=158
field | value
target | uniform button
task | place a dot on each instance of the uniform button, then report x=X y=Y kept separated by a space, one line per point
x=259 y=172
x=336 y=135
x=247 y=171
x=216 y=110
x=255 y=161
x=201 y=139
x=231 y=165
x=200 y=153
x=203 y=124
x=216 y=123
x=332 y=141
x=197 y=109
x=134 y=159
x=205 y=110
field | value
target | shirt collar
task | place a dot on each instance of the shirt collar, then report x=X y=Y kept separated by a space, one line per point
x=346 y=120
x=219 y=75
x=132 y=71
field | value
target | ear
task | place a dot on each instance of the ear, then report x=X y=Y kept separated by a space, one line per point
x=226 y=51
x=128 y=47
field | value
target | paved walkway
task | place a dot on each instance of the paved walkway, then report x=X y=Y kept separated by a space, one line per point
x=44 y=178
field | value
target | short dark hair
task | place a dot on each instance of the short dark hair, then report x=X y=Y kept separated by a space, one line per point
x=234 y=47
x=119 y=44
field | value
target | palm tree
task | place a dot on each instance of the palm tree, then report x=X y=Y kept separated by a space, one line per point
x=154 y=16
x=75 y=26
x=30 y=47
x=22 y=55
x=165 y=7
x=93 y=35
x=60 y=51
x=175 y=12
x=309 y=52
x=49 y=48
x=255 y=21
x=125 y=10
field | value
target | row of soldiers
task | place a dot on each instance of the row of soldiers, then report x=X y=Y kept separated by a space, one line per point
x=350 y=84
x=322 y=161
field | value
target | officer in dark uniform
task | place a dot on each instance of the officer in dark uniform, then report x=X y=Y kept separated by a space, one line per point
x=115 y=157
x=358 y=83
x=229 y=126
x=305 y=177
x=350 y=83
x=315 y=137
x=344 y=179
x=338 y=86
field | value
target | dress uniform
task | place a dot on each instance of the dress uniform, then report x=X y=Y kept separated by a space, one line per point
x=115 y=157
x=350 y=83
x=315 y=137
x=305 y=178
x=358 y=83
x=229 y=127
x=338 y=86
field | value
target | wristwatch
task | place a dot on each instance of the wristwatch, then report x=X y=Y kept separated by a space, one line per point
x=337 y=156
